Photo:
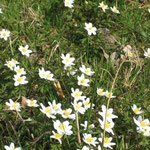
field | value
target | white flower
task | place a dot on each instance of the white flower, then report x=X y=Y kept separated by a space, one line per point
x=25 y=50
x=1 y=11
x=12 y=147
x=115 y=10
x=109 y=115
x=32 y=103
x=85 y=148
x=4 y=34
x=136 y=110
x=42 y=73
x=88 y=139
x=129 y=53
x=48 y=111
x=67 y=60
x=107 y=142
x=13 y=105
x=145 y=132
x=56 y=107
x=57 y=136
x=86 y=71
x=49 y=76
x=70 y=70
x=10 y=64
x=147 y=54
x=109 y=95
x=100 y=92
x=148 y=10
x=68 y=3
x=19 y=80
x=142 y=124
x=99 y=147
x=91 y=30
x=78 y=107
x=15 y=62
x=108 y=125
x=103 y=6
x=87 y=103
x=67 y=114
x=77 y=94
x=63 y=127
x=82 y=80
x=19 y=71
x=85 y=125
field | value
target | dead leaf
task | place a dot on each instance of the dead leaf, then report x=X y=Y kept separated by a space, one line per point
x=24 y=102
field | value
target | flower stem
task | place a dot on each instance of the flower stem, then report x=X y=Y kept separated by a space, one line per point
x=78 y=129
x=10 y=44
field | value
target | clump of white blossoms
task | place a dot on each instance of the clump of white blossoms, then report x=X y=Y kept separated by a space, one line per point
x=115 y=10
x=107 y=142
x=4 y=34
x=63 y=127
x=48 y=111
x=46 y=75
x=11 y=64
x=83 y=81
x=32 y=103
x=19 y=80
x=69 y=3
x=103 y=6
x=88 y=139
x=25 y=50
x=86 y=71
x=67 y=60
x=143 y=126
x=147 y=54
x=13 y=105
x=12 y=147
x=91 y=30
x=136 y=110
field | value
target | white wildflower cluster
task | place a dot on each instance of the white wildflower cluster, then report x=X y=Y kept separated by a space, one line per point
x=101 y=92
x=69 y=3
x=104 y=7
x=19 y=77
x=46 y=75
x=143 y=125
x=108 y=124
x=25 y=50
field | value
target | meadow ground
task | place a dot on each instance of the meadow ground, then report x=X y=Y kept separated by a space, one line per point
x=115 y=54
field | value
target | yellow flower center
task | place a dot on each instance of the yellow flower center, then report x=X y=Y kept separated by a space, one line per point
x=108 y=114
x=143 y=124
x=78 y=106
x=62 y=127
x=129 y=54
x=32 y=102
x=77 y=94
x=48 y=110
x=19 y=79
x=109 y=94
x=103 y=5
x=66 y=113
x=149 y=54
x=55 y=106
x=24 y=50
x=108 y=125
x=83 y=81
x=10 y=65
x=90 y=28
x=19 y=70
x=67 y=3
x=14 y=105
x=4 y=34
x=115 y=10
x=57 y=135
x=87 y=103
x=106 y=140
x=49 y=76
x=67 y=60
x=87 y=71
x=136 y=110
x=89 y=139
x=100 y=92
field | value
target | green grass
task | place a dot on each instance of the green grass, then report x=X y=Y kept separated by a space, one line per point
x=51 y=29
